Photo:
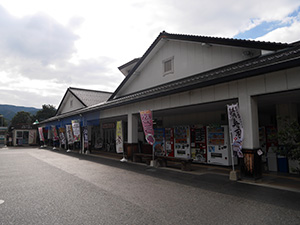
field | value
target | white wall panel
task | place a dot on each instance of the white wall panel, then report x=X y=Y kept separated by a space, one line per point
x=208 y=94
x=276 y=81
x=293 y=78
x=256 y=85
x=222 y=91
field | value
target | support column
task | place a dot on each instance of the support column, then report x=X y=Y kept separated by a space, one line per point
x=132 y=145
x=250 y=165
x=249 y=114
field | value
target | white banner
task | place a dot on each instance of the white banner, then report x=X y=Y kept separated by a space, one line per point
x=76 y=130
x=119 y=137
x=235 y=128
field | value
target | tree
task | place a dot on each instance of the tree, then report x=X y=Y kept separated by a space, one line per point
x=46 y=112
x=289 y=138
x=21 y=118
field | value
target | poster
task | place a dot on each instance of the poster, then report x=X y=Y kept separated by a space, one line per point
x=236 y=128
x=76 y=130
x=62 y=135
x=54 y=131
x=70 y=137
x=119 y=137
x=41 y=135
x=146 y=118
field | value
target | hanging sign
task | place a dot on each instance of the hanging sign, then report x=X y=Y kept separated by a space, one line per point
x=62 y=135
x=236 y=128
x=41 y=135
x=70 y=137
x=119 y=137
x=76 y=130
x=146 y=118
x=55 y=135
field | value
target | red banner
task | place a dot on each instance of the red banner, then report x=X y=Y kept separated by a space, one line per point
x=146 y=118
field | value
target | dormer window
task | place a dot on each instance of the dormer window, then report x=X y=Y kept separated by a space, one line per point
x=168 y=66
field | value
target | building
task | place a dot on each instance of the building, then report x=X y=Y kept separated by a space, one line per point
x=188 y=81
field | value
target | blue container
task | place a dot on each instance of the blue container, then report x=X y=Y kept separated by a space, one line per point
x=282 y=164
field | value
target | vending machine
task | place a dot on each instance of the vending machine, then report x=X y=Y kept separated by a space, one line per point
x=218 y=146
x=159 y=145
x=198 y=144
x=182 y=142
x=169 y=140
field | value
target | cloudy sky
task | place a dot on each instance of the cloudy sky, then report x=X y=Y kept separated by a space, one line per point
x=47 y=46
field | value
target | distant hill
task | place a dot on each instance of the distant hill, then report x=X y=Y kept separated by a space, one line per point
x=9 y=111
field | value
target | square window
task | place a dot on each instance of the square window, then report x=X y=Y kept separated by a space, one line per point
x=168 y=66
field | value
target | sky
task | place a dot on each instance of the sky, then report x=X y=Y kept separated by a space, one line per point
x=47 y=46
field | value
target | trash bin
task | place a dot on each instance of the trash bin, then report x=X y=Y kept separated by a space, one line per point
x=251 y=164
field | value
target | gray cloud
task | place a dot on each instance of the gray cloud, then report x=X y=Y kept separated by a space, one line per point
x=37 y=37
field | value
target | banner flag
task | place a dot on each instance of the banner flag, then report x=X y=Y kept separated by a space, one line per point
x=62 y=135
x=76 y=130
x=85 y=136
x=119 y=137
x=146 y=118
x=236 y=128
x=55 y=135
x=70 y=137
x=49 y=136
x=41 y=134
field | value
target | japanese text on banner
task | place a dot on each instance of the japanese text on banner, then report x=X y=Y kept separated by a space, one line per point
x=236 y=128
x=119 y=137
x=146 y=118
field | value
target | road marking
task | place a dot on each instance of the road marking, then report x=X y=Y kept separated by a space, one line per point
x=1 y=201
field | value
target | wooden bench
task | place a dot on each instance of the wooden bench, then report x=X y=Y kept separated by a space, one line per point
x=186 y=164
x=140 y=157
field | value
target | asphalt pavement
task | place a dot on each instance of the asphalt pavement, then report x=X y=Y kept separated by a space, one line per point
x=45 y=186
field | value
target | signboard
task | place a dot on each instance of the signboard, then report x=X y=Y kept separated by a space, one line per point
x=76 y=130
x=119 y=137
x=236 y=128
x=146 y=118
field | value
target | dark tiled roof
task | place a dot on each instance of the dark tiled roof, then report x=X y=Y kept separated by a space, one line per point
x=272 y=46
x=284 y=59
x=90 y=97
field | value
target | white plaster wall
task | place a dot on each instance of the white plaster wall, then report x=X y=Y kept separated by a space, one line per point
x=189 y=59
x=66 y=107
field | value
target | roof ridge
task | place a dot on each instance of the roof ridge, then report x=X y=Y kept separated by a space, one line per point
x=223 y=38
x=90 y=90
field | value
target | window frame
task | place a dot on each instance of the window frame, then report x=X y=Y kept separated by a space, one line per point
x=164 y=62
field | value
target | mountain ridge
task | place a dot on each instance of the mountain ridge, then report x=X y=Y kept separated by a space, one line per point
x=9 y=111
